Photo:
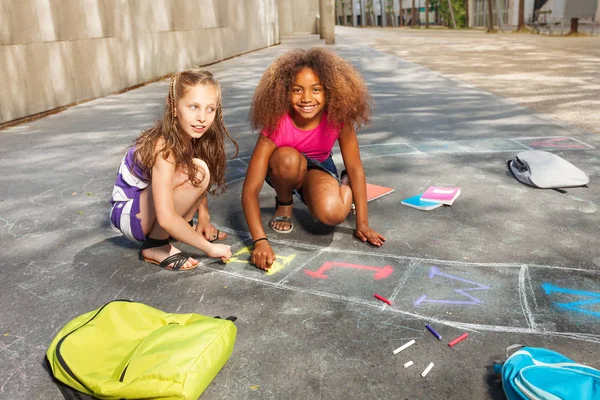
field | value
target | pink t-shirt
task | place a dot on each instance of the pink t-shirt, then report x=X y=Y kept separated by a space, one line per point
x=315 y=143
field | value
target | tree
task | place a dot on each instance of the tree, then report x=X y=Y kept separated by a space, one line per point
x=401 y=13
x=466 y=13
x=370 y=12
x=521 y=20
x=363 y=13
x=574 y=26
x=491 y=18
x=392 y=20
x=413 y=15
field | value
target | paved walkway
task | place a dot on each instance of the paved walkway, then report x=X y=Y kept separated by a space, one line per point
x=556 y=76
x=506 y=263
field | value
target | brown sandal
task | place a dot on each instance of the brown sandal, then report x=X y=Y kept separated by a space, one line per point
x=174 y=262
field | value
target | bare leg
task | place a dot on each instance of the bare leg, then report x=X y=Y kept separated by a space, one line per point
x=287 y=169
x=327 y=200
x=186 y=199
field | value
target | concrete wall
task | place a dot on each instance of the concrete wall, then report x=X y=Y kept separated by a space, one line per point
x=59 y=52
x=298 y=17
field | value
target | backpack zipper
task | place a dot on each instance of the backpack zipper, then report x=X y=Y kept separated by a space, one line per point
x=59 y=356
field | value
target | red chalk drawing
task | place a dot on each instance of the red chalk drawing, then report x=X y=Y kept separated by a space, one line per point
x=380 y=272
x=566 y=143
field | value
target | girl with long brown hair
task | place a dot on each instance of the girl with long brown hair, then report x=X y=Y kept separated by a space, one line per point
x=165 y=176
x=305 y=102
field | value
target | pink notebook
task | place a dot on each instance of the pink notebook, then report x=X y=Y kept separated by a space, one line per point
x=375 y=191
x=442 y=195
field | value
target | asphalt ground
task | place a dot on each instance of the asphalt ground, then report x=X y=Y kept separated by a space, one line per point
x=558 y=76
x=506 y=263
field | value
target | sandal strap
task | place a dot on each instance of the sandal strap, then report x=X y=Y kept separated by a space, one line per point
x=177 y=260
x=150 y=243
x=281 y=218
x=290 y=202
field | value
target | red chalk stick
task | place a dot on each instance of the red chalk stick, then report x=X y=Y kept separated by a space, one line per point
x=458 y=339
x=382 y=299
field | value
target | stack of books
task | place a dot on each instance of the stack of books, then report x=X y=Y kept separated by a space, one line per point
x=433 y=197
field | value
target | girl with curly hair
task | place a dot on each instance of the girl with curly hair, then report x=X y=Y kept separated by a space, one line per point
x=304 y=102
x=164 y=177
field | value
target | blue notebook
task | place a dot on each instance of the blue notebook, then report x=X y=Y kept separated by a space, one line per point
x=416 y=202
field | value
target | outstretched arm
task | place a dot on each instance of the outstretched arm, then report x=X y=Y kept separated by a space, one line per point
x=358 y=183
x=262 y=254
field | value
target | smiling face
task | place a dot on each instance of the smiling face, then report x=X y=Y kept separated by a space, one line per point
x=197 y=109
x=307 y=96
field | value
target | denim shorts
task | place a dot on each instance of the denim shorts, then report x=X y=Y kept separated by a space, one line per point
x=326 y=166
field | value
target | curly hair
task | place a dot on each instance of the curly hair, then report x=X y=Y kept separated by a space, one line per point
x=210 y=147
x=347 y=99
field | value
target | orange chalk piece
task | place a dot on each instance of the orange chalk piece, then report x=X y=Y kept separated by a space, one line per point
x=458 y=339
x=382 y=299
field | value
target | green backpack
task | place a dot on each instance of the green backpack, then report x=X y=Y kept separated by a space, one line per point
x=129 y=350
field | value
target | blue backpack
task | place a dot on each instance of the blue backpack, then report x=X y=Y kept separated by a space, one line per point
x=533 y=373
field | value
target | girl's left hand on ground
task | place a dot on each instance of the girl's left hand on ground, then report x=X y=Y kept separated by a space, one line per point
x=209 y=232
x=366 y=234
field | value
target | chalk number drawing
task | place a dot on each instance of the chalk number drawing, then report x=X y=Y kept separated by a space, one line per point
x=380 y=272
x=575 y=305
x=280 y=262
x=435 y=271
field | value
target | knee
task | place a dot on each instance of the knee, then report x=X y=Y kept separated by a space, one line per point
x=330 y=212
x=202 y=176
x=285 y=162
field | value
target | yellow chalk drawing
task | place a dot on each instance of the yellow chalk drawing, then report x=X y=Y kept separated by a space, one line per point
x=280 y=262
x=236 y=258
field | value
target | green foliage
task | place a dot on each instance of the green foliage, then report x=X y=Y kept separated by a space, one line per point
x=458 y=6
x=390 y=6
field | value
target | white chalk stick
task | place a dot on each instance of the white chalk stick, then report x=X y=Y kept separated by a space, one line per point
x=404 y=346
x=408 y=364
x=426 y=370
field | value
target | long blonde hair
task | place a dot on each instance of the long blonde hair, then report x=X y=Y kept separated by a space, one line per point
x=210 y=147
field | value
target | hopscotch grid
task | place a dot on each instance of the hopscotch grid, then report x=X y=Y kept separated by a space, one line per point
x=523 y=275
x=415 y=150
x=531 y=291
x=583 y=143
x=460 y=325
x=241 y=160
x=405 y=258
x=414 y=264
x=464 y=149
x=516 y=140
x=285 y=279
